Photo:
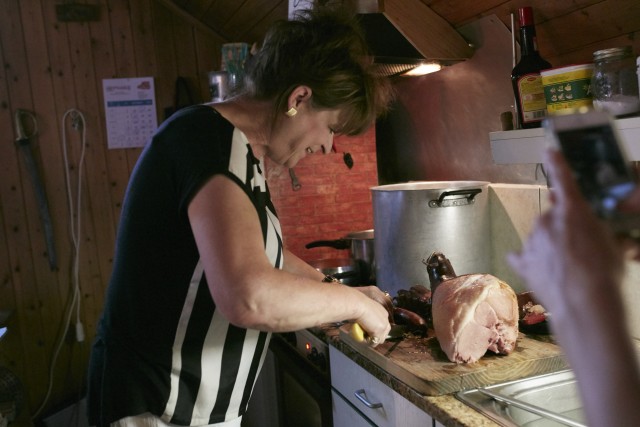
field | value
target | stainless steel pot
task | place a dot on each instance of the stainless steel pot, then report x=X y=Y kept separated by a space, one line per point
x=412 y=220
x=361 y=249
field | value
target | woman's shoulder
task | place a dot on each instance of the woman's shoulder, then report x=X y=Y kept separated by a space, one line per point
x=193 y=123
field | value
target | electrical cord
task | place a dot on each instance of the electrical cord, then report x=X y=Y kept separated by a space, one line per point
x=78 y=123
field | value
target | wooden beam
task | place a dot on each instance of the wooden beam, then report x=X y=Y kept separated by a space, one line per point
x=190 y=19
x=427 y=31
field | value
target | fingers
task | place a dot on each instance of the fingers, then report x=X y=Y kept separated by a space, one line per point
x=632 y=203
x=565 y=188
x=374 y=341
x=377 y=317
x=381 y=297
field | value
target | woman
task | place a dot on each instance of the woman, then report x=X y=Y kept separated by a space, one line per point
x=575 y=266
x=201 y=278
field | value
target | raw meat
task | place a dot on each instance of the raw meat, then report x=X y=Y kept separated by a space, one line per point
x=474 y=313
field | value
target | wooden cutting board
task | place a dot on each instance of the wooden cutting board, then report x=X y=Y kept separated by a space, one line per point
x=422 y=365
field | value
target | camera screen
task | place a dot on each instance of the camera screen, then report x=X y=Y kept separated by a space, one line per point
x=601 y=170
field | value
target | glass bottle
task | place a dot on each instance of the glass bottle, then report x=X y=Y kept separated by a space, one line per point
x=614 y=83
x=531 y=107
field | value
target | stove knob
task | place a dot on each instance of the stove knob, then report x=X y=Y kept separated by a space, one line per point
x=317 y=359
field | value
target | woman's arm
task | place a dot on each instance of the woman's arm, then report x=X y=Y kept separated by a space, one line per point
x=293 y=264
x=248 y=289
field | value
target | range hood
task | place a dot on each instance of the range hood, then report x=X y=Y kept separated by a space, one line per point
x=405 y=33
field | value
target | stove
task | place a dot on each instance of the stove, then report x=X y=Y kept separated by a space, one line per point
x=308 y=345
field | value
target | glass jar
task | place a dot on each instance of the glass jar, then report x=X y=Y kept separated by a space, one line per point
x=615 y=83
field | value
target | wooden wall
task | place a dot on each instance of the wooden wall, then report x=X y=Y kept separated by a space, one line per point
x=51 y=67
x=48 y=68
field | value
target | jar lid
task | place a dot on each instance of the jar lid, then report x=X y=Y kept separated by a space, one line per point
x=613 y=52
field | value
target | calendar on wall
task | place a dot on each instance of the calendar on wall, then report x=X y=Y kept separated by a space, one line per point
x=130 y=110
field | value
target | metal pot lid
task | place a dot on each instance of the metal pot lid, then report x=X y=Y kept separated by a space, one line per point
x=361 y=235
x=430 y=185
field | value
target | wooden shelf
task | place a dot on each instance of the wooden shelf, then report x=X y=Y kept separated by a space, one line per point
x=528 y=145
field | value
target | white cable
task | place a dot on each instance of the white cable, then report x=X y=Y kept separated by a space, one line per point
x=77 y=120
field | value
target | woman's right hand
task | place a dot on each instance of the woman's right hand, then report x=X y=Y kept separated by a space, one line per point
x=382 y=297
x=375 y=321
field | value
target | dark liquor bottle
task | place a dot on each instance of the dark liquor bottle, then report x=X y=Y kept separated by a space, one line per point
x=525 y=78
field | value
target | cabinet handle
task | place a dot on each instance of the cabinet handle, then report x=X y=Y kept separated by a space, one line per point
x=360 y=394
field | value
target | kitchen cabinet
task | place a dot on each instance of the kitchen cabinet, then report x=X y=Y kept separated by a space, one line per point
x=346 y=415
x=528 y=145
x=360 y=399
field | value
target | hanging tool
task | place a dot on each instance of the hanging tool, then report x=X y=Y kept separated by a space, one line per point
x=346 y=157
x=295 y=184
x=23 y=142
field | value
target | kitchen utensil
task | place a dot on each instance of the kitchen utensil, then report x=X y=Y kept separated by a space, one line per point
x=361 y=246
x=412 y=220
x=295 y=184
x=23 y=142
x=396 y=333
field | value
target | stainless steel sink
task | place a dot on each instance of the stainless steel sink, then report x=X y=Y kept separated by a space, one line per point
x=545 y=400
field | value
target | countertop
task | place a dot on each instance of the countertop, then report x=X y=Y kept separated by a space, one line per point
x=446 y=409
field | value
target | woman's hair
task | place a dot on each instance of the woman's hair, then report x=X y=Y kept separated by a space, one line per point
x=324 y=49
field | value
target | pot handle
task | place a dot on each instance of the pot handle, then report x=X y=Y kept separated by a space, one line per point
x=336 y=244
x=468 y=193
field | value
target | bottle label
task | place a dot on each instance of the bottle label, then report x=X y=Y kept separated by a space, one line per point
x=532 y=101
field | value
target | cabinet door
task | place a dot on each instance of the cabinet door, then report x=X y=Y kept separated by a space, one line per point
x=378 y=402
x=344 y=415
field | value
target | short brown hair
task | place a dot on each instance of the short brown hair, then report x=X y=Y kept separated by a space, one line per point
x=324 y=49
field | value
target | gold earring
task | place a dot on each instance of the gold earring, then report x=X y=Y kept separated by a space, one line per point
x=291 y=112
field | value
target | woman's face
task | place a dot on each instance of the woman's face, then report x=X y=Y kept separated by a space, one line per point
x=309 y=131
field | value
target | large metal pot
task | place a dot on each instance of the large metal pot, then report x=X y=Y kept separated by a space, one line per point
x=412 y=220
x=361 y=250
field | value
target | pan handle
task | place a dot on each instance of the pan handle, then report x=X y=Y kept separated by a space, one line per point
x=336 y=244
x=449 y=198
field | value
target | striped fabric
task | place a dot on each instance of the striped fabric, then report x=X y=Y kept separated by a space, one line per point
x=162 y=347
x=230 y=358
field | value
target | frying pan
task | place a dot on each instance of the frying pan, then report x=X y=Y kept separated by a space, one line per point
x=360 y=245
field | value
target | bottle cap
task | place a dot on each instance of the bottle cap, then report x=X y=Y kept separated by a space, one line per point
x=526 y=15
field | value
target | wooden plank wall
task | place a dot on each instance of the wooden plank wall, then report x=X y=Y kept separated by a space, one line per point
x=48 y=68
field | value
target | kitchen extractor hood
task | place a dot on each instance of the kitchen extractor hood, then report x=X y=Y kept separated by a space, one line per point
x=403 y=34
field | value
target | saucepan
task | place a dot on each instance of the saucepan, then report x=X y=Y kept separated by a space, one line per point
x=361 y=249
x=343 y=269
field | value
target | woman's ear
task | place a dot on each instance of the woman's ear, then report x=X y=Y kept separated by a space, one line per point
x=298 y=95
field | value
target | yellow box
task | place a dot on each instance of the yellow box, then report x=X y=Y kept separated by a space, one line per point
x=567 y=88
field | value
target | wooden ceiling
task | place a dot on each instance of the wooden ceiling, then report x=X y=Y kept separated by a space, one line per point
x=568 y=31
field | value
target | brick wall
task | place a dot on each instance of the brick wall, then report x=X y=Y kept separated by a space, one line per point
x=333 y=201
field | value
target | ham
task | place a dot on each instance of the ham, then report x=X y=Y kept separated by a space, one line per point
x=474 y=313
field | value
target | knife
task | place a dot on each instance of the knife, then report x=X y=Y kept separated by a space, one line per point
x=396 y=333
x=22 y=141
